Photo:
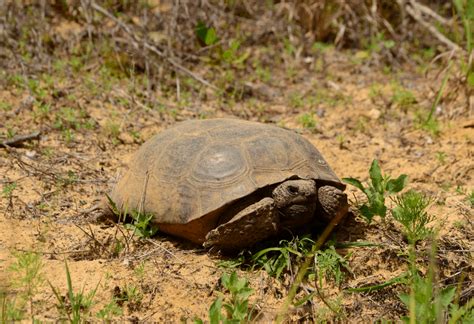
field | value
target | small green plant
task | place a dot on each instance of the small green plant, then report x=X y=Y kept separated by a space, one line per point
x=465 y=11
x=470 y=198
x=234 y=262
x=331 y=312
x=430 y=123
x=8 y=188
x=236 y=307
x=441 y=157
x=376 y=191
x=43 y=111
x=206 y=35
x=112 y=130
x=307 y=121
x=28 y=279
x=109 y=311
x=425 y=304
x=319 y=47
x=5 y=106
x=230 y=54
x=275 y=260
x=330 y=264
x=296 y=100
x=10 y=310
x=263 y=73
x=139 y=270
x=131 y=294
x=410 y=211
x=402 y=97
x=11 y=132
x=117 y=247
x=341 y=140
x=141 y=224
x=79 y=303
x=68 y=135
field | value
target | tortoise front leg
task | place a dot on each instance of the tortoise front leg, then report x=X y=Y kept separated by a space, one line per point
x=251 y=225
x=332 y=201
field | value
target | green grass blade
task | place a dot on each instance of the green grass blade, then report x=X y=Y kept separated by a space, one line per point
x=440 y=93
x=390 y=282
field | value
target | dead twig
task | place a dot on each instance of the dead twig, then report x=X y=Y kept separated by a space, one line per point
x=427 y=11
x=414 y=11
x=17 y=141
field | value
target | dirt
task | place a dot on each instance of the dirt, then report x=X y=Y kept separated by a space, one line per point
x=57 y=180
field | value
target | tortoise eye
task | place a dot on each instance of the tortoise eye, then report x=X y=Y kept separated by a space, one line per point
x=293 y=190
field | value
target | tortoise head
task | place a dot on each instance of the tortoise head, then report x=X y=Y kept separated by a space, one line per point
x=296 y=202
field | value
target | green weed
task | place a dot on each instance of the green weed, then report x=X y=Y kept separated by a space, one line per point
x=275 y=260
x=307 y=121
x=78 y=304
x=28 y=279
x=5 y=106
x=11 y=132
x=7 y=190
x=378 y=42
x=206 y=35
x=319 y=47
x=43 y=111
x=376 y=191
x=441 y=157
x=402 y=97
x=130 y=294
x=234 y=262
x=330 y=264
x=430 y=123
x=296 y=100
x=465 y=11
x=462 y=314
x=331 y=312
x=112 y=130
x=236 y=306
x=109 y=311
x=68 y=135
x=470 y=198
x=231 y=54
x=142 y=225
x=425 y=304
x=410 y=211
x=263 y=73
x=139 y=270
x=10 y=309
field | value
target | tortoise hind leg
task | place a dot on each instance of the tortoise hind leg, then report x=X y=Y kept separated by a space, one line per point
x=251 y=225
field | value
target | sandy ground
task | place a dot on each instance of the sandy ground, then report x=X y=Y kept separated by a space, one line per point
x=56 y=179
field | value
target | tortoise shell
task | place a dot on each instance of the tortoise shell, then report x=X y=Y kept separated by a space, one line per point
x=198 y=167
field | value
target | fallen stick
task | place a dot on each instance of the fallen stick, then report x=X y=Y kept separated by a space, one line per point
x=17 y=141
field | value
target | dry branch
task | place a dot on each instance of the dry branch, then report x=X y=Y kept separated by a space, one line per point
x=415 y=12
x=17 y=141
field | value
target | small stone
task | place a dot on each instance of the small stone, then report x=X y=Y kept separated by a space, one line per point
x=30 y=154
x=374 y=114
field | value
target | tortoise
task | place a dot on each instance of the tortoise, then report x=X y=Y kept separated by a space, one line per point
x=229 y=183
